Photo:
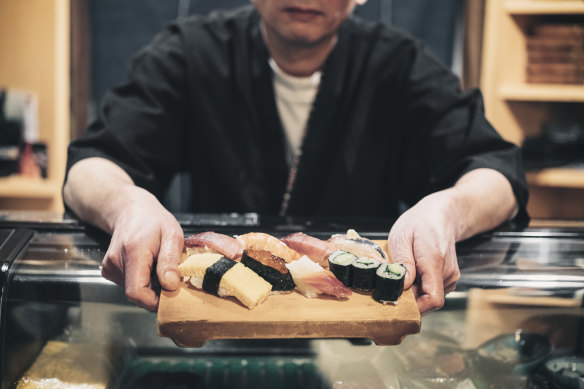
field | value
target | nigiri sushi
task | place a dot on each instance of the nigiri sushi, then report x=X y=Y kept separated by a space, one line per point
x=271 y=268
x=214 y=242
x=357 y=245
x=223 y=277
x=311 y=279
x=267 y=242
x=316 y=249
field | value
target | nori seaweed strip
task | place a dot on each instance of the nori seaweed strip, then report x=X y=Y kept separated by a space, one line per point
x=214 y=273
x=343 y=271
x=280 y=281
x=389 y=285
x=364 y=273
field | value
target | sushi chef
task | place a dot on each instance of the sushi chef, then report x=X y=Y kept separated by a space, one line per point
x=298 y=108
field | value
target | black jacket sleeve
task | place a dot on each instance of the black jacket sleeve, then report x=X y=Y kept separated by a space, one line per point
x=140 y=123
x=448 y=134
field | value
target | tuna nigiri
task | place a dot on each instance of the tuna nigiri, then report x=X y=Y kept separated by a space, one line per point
x=311 y=279
x=316 y=249
x=214 y=242
x=267 y=242
x=356 y=245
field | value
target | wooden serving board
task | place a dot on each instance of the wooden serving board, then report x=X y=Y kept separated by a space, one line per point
x=190 y=317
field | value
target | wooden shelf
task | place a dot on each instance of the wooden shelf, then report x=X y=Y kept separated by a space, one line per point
x=557 y=177
x=526 y=7
x=544 y=223
x=31 y=188
x=543 y=92
x=518 y=109
x=35 y=41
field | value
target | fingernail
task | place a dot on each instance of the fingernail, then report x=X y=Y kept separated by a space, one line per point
x=172 y=277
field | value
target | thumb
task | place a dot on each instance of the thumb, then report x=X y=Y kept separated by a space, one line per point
x=168 y=259
x=400 y=251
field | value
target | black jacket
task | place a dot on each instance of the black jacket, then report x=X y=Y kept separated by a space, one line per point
x=389 y=124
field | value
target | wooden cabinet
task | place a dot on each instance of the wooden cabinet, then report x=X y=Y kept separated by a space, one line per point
x=34 y=56
x=519 y=109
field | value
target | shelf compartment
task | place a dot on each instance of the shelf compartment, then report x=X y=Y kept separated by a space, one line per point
x=543 y=92
x=557 y=177
x=31 y=188
x=571 y=7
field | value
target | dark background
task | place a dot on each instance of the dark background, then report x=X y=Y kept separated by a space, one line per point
x=119 y=28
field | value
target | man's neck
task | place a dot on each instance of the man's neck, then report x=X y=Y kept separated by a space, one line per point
x=299 y=59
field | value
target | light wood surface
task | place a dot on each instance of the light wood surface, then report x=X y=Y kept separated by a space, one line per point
x=34 y=37
x=16 y=186
x=191 y=317
x=557 y=177
x=536 y=7
x=542 y=93
x=546 y=223
x=22 y=193
x=556 y=203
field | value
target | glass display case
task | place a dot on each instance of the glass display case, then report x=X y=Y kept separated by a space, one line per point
x=515 y=319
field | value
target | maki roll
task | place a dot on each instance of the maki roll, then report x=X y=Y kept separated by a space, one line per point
x=364 y=273
x=340 y=263
x=271 y=268
x=389 y=282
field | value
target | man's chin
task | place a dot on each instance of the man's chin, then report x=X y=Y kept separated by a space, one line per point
x=304 y=38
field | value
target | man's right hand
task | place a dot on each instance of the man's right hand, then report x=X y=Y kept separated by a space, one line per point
x=145 y=236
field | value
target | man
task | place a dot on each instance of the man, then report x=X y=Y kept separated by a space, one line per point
x=301 y=111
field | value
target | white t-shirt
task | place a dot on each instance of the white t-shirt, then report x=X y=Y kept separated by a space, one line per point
x=294 y=98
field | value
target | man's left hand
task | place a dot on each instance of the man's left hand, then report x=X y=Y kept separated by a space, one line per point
x=423 y=239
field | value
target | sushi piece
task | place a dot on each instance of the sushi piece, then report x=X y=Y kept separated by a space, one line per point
x=311 y=279
x=223 y=277
x=364 y=273
x=389 y=282
x=271 y=268
x=267 y=242
x=355 y=244
x=214 y=242
x=340 y=263
x=316 y=249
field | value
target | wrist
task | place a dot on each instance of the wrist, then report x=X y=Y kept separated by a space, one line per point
x=121 y=200
x=452 y=206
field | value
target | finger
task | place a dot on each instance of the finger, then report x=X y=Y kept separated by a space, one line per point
x=451 y=269
x=416 y=290
x=401 y=251
x=137 y=282
x=451 y=278
x=429 y=303
x=110 y=271
x=168 y=259
x=431 y=292
x=449 y=287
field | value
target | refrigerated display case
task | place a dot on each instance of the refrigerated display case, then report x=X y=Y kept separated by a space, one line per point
x=514 y=320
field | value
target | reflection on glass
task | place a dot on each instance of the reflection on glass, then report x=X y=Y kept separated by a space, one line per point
x=515 y=320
